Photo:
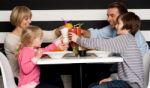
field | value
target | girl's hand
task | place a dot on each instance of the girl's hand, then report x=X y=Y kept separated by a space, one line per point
x=63 y=46
x=39 y=53
x=73 y=37
x=58 y=41
x=105 y=80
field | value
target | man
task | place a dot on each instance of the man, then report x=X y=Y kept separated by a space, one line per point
x=114 y=10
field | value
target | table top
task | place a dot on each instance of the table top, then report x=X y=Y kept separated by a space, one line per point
x=74 y=60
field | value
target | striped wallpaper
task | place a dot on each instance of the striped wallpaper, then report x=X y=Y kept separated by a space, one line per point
x=48 y=14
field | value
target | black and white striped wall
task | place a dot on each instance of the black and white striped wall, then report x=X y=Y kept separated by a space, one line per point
x=48 y=14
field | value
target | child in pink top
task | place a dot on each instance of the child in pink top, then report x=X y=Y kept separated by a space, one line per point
x=29 y=52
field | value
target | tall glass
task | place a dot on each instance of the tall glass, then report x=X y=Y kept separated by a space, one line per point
x=64 y=33
x=73 y=45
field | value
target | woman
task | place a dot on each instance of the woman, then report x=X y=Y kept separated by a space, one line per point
x=21 y=19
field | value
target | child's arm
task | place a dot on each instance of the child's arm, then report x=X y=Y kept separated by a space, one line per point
x=117 y=44
x=105 y=80
x=113 y=76
x=25 y=60
x=53 y=46
x=56 y=45
x=50 y=47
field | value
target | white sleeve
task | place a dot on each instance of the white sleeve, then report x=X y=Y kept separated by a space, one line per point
x=49 y=36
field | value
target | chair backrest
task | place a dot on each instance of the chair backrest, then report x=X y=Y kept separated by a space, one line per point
x=146 y=62
x=7 y=74
x=148 y=82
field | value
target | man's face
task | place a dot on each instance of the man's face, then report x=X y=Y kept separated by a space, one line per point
x=112 y=14
x=119 y=26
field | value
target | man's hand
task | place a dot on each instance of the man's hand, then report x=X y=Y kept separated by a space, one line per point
x=105 y=80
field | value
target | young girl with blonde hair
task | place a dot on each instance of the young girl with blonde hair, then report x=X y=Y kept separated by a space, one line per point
x=29 y=52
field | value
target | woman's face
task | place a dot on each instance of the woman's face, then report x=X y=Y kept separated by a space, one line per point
x=25 y=22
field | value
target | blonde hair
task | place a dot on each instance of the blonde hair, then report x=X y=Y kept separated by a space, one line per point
x=18 y=14
x=28 y=35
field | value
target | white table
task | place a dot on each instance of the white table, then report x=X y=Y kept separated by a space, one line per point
x=79 y=60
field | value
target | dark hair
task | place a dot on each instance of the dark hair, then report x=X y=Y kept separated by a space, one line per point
x=121 y=8
x=131 y=22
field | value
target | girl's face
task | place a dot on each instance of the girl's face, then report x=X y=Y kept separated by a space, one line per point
x=37 y=42
x=119 y=26
x=25 y=22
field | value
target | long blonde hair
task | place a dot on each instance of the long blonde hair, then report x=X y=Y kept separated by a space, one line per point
x=28 y=35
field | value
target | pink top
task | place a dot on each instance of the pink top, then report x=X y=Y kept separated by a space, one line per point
x=29 y=72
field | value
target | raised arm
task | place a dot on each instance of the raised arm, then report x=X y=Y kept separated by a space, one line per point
x=105 y=32
x=117 y=44
x=50 y=36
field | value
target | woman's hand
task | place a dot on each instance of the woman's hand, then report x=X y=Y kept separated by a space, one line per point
x=73 y=37
x=105 y=80
x=58 y=31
